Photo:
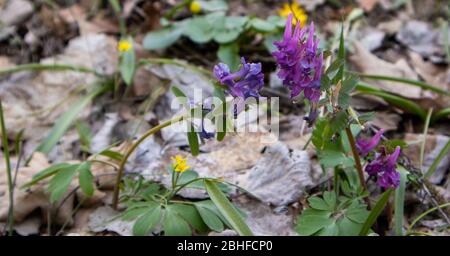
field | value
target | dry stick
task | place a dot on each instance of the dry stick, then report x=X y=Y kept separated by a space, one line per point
x=358 y=165
x=131 y=150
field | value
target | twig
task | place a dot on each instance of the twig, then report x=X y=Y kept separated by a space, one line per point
x=358 y=165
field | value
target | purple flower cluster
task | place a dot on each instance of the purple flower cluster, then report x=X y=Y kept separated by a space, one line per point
x=245 y=83
x=299 y=62
x=365 y=146
x=383 y=166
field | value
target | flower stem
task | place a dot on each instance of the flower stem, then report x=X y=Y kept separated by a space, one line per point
x=131 y=150
x=358 y=165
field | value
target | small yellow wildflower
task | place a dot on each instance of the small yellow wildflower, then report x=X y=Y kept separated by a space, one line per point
x=299 y=13
x=124 y=46
x=195 y=7
x=180 y=163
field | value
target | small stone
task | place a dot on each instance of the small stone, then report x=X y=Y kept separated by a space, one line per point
x=15 y=12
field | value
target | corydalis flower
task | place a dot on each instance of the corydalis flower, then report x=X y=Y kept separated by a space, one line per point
x=383 y=168
x=365 y=146
x=247 y=82
x=299 y=62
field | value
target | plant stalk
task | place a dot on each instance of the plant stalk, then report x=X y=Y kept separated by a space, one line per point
x=358 y=165
x=10 y=220
x=131 y=150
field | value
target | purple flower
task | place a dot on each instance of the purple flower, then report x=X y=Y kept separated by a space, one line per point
x=299 y=61
x=365 y=146
x=247 y=82
x=383 y=167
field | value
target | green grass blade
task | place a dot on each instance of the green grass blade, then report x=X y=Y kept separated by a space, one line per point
x=399 y=202
x=424 y=137
x=443 y=113
x=420 y=84
x=50 y=67
x=423 y=215
x=66 y=120
x=227 y=209
x=403 y=103
x=438 y=159
x=10 y=220
x=376 y=211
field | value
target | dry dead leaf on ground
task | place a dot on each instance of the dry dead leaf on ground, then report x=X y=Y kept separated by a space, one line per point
x=368 y=5
x=387 y=120
x=368 y=63
x=434 y=145
x=27 y=201
x=36 y=100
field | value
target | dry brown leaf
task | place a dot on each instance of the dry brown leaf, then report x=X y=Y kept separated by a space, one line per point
x=386 y=120
x=368 y=5
x=27 y=201
x=368 y=63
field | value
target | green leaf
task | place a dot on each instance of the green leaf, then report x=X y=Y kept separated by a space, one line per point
x=47 y=172
x=127 y=64
x=357 y=214
x=66 y=120
x=341 y=55
x=199 y=29
x=330 y=230
x=112 y=154
x=147 y=221
x=399 y=202
x=86 y=179
x=174 y=225
x=330 y=199
x=310 y=222
x=85 y=134
x=318 y=203
x=227 y=209
x=178 y=92
x=262 y=25
x=348 y=85
x=376 y=211
x=190 y=214
x=278 y=21
x=193 y=141
x=213 y=5
x=332 y=156
x=226 y=36
x=270 y=39
x=162 y=38
x=229 y=54
x=59 y=184
x=348 y=227
x=210 y=218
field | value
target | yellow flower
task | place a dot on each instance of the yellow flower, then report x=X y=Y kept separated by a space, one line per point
x=299 y=13
x=195 y=7
x=180 y=164
x=124 y=46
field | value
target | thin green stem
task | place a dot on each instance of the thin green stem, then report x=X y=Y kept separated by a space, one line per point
x=358 y=165
x=420 y=84
x=131 y=150
x=438 y=159
x=183 y=186
x=423 y=215
x=200 y=70
x=52 y=67
x=424 y=137
x=8 y=171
